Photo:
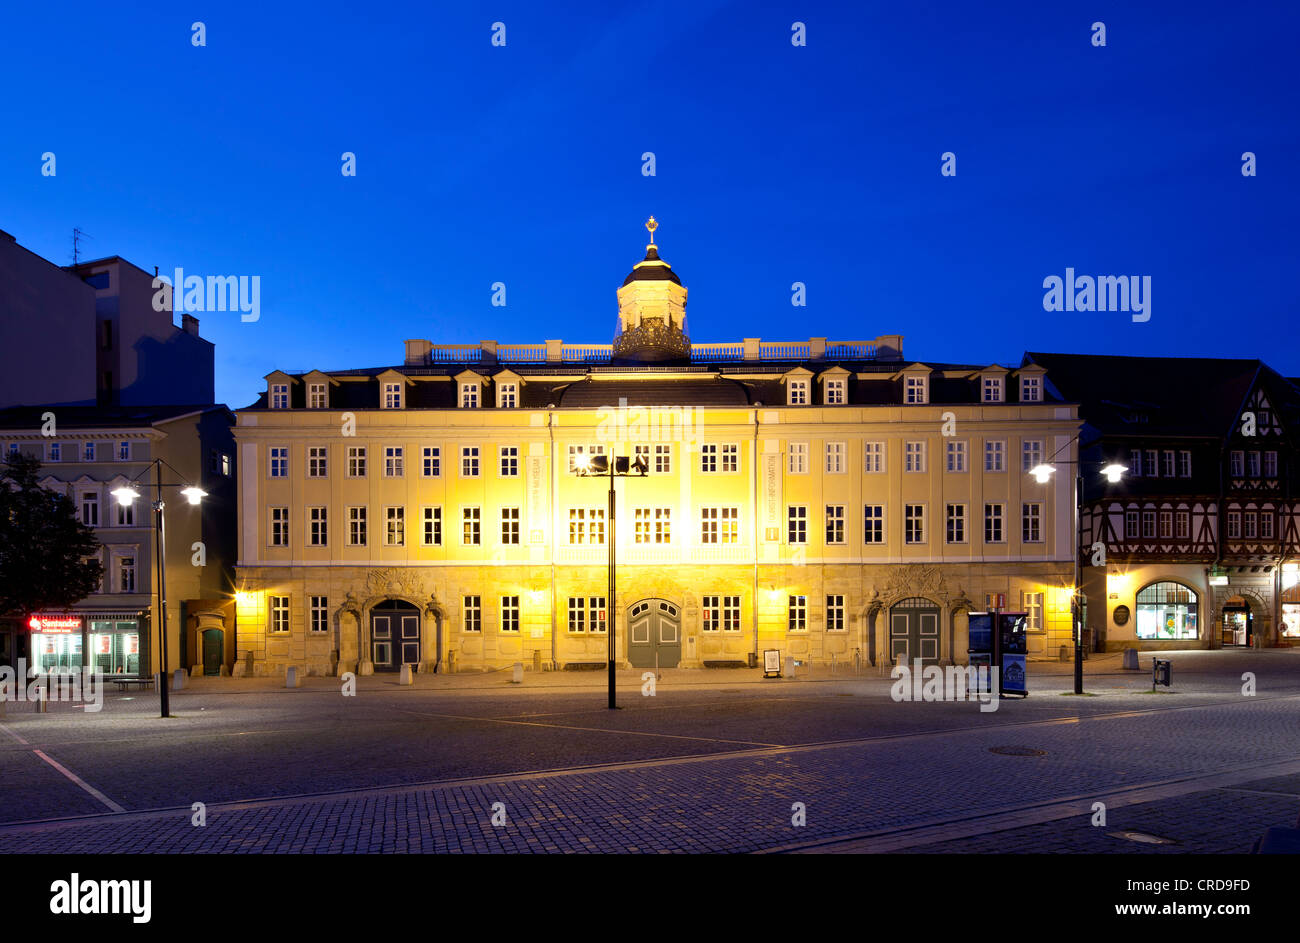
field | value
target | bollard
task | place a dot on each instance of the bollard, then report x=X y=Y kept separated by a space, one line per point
x=291 y=677
x=1130 y=659
x=789 y=666
x=178 y=679
x=517 y=677
x=405 y=675
x=42 y=699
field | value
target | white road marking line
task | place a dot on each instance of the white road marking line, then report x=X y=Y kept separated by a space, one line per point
x=80 y=782
x=12 y=734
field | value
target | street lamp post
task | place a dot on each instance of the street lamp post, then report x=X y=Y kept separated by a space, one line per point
x=126 y=495
x=1042 y=474
x=621 y=466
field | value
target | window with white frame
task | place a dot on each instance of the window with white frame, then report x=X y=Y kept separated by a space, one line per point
x=469 y=396
x=1031 y=523
x=431 y=526
x=576 y=452
x=125 y=514
x=1237 y=464
x=123 y=451
x=835 y=523
x=916 y=390
x=955 y=524
x=1135 y=463
x=472 y=613
x=1153 y=463
x=317 y=527
x=509 y=455
x=507 y=395
x=279 y=461
x=720 y=613
x=587 y=614
x=994 y=517
x=316 y=398
x=1031 y=454
x=395 y=526
x=88 y=451
x=392 y=396
x=586 y=526
x=279 y=526
x=1234 y=525
x=875 y=457
x=1168 y=466
x=719 y=525
x=1032 y=605
x=471 y=523
x=431 y=461
x=663 y=460
x=992 y=390
x=55 y=452
x=1031 y=389
x=510 y=525
x=835 y=457
x=956 y=449
x=835 y=392
x=509 y=613
x=1184 y=463
x=356 y=461
x=278 y=606
x=356 y=526
x=798 y=458
x=653 y=525
x=873 y=524
x=796 y=516
x=835 y=613
x=125 y=573
x=1166 y=524
x=995 y=455
x=1252 y=465
x=914 y=523
x=394 y=461
x=1148 y=524
x=1182 y=524
x=797 y=393
x=798 y=618
x=729 y=457
x=1132 y=525
x=469 y=461
x=320 y=620
x=1248 y=525
x=317 y=461
x=1266 y=525
x=1270 y=464
x=708 y=457
x=914 y=456
x=90 y=508
x=279 y=395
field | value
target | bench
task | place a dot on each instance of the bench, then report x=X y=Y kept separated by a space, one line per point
x=123 y=683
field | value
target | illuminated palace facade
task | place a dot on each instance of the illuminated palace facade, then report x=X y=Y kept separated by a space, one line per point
x=832 y=500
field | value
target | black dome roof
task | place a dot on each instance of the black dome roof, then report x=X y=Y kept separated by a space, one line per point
x=657 y=271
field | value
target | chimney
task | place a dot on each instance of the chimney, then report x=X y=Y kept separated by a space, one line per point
x=190 y=324
x=418 y=353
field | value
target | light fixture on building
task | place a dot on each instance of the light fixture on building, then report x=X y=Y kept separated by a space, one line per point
x=1114 y=472
x=1042 y=473
x=125 y=495
x=194 y=494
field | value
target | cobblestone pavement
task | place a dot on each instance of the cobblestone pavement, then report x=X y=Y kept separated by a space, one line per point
x=715 y=761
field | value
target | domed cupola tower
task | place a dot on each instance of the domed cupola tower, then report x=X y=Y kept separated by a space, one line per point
x=652 y=310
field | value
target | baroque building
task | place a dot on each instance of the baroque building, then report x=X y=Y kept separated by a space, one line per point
x=830 y=499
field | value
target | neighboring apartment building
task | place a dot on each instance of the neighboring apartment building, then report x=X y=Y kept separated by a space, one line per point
x=828 y=499
x=124 y=385
x=1201 y=535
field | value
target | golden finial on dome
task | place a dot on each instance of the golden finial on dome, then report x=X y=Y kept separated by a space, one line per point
x=651 y=225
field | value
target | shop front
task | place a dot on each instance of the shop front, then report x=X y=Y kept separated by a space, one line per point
x=59 y=642
x=1290 y=634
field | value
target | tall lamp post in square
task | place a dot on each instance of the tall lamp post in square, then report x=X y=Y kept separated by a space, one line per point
x=594 y=466
x=126 y=495
x=1042 y=473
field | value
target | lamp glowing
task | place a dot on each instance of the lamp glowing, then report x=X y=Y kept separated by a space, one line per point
x=1114 y=472
x=1042 y=473
x=194 y=494
x=125 y=495
x=582 y=463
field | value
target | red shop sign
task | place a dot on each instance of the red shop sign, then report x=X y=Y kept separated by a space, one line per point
x=54 y=625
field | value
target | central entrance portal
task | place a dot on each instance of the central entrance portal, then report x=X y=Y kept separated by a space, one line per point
x=914 y=631
x=654 y=634
x=394 y=635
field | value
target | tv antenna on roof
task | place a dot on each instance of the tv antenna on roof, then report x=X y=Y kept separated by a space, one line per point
x=77 y=235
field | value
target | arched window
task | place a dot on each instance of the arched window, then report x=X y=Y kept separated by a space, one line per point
x=1166 y=611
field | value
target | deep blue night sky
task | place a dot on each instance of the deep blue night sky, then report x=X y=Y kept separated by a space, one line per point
x=775 y=164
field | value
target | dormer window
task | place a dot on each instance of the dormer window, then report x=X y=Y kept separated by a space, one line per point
x=915 y=390
x=279 y=395
x=798 y=393
x=992 y=390
x=316 y=398
x=392 y=396
x=507 y=395
x=469 y=396
x=835 y=392
x=1031 y=389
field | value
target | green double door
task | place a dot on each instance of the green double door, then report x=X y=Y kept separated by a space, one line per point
x=654 y=634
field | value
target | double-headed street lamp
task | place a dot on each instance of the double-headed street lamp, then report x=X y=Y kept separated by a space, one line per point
x=1042 y=474
x=594 y=466
x=126 y=495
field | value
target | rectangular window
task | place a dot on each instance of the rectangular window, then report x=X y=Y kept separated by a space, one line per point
x=279 y=527
x=431 y=526
x=279 y=607
x=90 y=508
x=993 y=521
x=1148 y=525
x=956 y=524
x=509 y=461
x=1266 y=525
x=798 y=621
x=577 y=451
x=356 y=461
x=319 y=614
x=126 y=574
x=88 y=452
x=317 y=461
x=653 y=525
x=124 y=451
x=708 y=458
x=1234 y=525
x=473 y=613
x=469 y=461
x=835 y=392
x=316 y=398
x=873 y=524
x=720 y=613
x=663 y=460
x=392 y=396
x=1248 y=525
x=394 y=461
x=914 y=523
x=1031 y=389
x=730 y=458
x=395 y=526
x=1032 y=605
x=56 y=452
x=875 y=454
x=835 y=613
x=992 y=390
x=1184 y=464
x=798 y=393
x=356 y=527
x=798 y=458
x=995 y=456
x=1270 y=464
x=587 y=613
x=915 y=390
x=835 y=523
x=1131 y=525
x=1031 y=452
x=470 y=524
x=1153 y=463
x=956 y=455
x=719 y=525
x=279 y=456
x=1237 y=464
x=834 y=457
x=1135 y=462
x=1182 y=525
x=914 y=456
x=317 y=527
x=431 y=461
x=125 y=514
x=796 y=517
x=1031 y=523
x=509 y=613
x=507 y=395
x=279 y=396
x=1166 y=525
x=586 y=525
x=1167 y=469
x=510 y=525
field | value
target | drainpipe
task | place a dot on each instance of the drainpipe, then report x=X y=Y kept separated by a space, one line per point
x=551 y=470
x=758 y=501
